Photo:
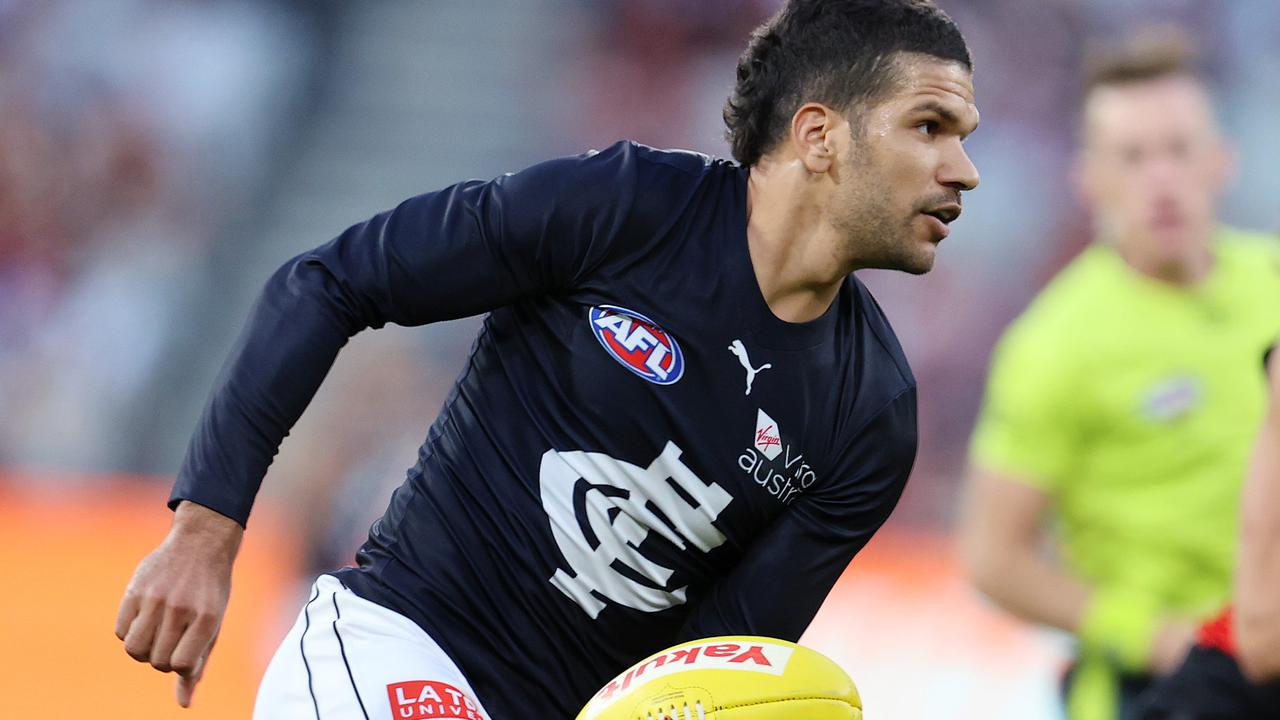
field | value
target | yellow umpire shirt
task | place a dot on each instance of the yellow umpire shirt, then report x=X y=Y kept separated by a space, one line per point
x=1134 y=404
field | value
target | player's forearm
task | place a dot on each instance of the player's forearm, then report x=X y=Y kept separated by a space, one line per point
x=1258 y=584
x=289 y=343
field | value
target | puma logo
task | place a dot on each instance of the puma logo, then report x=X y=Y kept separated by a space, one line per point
x=737 y=348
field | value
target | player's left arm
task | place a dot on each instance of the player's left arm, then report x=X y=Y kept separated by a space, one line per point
x=787 y=572
x=1257 y=623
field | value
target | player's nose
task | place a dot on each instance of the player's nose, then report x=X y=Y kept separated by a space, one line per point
x=958 y=171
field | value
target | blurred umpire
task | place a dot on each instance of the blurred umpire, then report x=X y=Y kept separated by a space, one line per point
x=1122 y=404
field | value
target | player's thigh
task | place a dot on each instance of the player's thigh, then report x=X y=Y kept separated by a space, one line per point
x=349 y=658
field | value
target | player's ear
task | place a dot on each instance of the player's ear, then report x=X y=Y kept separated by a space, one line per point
x=813 y=136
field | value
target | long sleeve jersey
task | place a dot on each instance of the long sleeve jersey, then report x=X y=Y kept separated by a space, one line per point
x=637 y=452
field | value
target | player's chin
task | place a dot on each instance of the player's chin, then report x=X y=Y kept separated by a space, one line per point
x=921 y=247
x=919 y=265
x=918 y=257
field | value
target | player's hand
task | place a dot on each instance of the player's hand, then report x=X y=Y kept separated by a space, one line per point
x=173 y=606
x=1171 y=645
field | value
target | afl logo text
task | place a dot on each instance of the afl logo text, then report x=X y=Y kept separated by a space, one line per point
x=638 y=343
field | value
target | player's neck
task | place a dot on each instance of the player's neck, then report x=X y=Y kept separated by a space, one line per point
x=794 y=251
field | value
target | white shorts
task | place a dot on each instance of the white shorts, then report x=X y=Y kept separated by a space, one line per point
x=349 y=659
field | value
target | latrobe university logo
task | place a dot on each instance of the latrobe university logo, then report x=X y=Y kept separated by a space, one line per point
x=428 y=700
x=637 y=343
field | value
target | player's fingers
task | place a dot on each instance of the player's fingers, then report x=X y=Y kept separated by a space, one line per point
x=194 y=646
x=186 y=690
x=187 y=683
x=172 y=627
x=142 y=631
x=128 y=611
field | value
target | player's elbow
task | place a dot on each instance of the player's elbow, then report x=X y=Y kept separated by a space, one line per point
x=314 y=288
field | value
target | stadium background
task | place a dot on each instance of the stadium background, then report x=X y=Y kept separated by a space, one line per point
x=158 y=158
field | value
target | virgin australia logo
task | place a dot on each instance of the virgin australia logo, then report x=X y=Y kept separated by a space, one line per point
x=768 y=439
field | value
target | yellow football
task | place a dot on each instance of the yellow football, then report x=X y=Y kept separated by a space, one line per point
x=729 y=678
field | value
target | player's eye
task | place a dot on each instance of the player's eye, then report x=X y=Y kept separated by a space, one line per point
x=928 y=127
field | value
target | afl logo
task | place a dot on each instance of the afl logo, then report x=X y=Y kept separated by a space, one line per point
x=638 y=343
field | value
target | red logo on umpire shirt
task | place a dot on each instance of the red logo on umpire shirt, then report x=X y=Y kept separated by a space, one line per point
x=428 y=700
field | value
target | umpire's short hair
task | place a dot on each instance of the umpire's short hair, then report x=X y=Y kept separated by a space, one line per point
x=1150 y=54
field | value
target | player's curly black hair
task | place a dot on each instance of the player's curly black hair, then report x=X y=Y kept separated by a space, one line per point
x=836 y=52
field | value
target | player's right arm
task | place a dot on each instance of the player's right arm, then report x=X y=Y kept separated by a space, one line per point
x=461 y=251
x=1257 y=617
x=1023 y=448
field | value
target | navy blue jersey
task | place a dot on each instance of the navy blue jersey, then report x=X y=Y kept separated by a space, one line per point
x=638 y=451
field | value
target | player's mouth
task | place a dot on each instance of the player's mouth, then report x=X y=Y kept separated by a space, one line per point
x=940 y=217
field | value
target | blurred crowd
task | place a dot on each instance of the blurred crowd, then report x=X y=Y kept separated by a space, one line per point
x=129 y=133
x=140 y=140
